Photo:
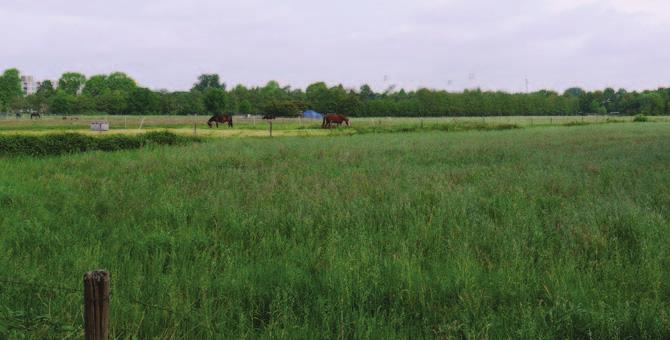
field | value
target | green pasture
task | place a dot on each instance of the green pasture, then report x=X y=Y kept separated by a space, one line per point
x=543 y=232
x=137 y=124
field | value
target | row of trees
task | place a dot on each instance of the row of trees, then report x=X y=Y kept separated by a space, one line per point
x=117 y=93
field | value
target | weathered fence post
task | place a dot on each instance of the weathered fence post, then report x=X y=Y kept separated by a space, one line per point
x=96 y=305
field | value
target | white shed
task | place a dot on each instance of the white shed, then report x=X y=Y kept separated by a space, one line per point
x=99 y=126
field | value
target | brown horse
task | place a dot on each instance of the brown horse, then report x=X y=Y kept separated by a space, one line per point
x=216 y=119
x=333 y=118
x=269 y=116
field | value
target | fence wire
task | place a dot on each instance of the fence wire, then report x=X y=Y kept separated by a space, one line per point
x=112 y=294
x=19 y=321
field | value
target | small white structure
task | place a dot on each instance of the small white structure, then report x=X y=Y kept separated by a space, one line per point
x=99 y=126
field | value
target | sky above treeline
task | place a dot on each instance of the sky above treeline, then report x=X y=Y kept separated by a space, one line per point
x=444 y=44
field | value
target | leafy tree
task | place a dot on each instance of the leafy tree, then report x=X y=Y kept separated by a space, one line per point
x=62 y=103
x=573 y=92
x=208 y=81
x=367 y=93
x=119 y=81
x=10 y=87
x=35 y=103
x=71 y=82
x=652 y=103
x=190 y=103
x=96 y=85
x=284 y=108
x=245 y=107
x=46 y=89
x=84 y=104
x=215 y=100
x=117 y=93
x=112 y=102
x=318 y=97
x=142 y=101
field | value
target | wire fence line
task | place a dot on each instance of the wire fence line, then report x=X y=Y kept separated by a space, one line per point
x=113 y=294
x=38 y=285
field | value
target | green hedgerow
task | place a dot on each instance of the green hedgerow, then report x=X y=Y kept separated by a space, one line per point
x=57 y=144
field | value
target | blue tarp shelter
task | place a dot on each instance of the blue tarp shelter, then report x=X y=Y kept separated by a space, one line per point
x=312 y=115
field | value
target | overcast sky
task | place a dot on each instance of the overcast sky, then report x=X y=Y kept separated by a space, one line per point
x=450 y=44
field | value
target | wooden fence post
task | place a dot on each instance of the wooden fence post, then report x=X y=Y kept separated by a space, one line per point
x=96 y=305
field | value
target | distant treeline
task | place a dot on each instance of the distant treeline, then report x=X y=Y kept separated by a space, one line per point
x=117 y=93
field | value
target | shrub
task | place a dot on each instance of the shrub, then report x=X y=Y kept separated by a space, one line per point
x=119 y=142
x=57 y=144
x=640 y=119
x=161 y=138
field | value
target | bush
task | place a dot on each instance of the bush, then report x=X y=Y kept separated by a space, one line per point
x=67 y=143
x=640 y=119
x=120 y=142
x=161 y=138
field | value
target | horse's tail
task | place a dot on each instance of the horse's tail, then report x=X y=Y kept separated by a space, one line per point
x=323 y=123
x=230 y=120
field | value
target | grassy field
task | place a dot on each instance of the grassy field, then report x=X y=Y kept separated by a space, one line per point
x=245 y=127
x=545 y=232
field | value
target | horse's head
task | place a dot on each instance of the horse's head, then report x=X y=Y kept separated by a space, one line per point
x=209 y=123
x=346 y=120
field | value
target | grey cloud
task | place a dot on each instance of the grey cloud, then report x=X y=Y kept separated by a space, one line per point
x=166 y=44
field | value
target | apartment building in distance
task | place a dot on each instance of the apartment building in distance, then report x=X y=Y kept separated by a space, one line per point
x=29 y=85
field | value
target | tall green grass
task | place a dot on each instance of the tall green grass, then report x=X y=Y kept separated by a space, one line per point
x=532 y=233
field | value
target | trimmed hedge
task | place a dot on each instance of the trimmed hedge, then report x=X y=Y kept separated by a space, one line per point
x=57 y=144
x=448 y=127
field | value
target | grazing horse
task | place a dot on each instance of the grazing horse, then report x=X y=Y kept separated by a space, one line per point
x=333 y=118
x=269 y=116
x=220 y=119
x=35 y=115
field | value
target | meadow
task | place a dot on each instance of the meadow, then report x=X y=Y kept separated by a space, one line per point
x=254 y=126
x=537 y=232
